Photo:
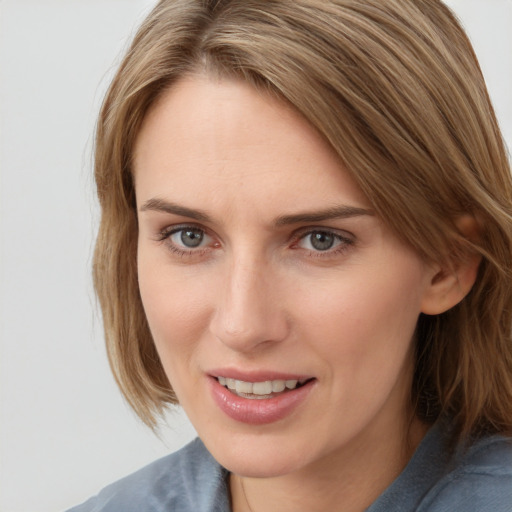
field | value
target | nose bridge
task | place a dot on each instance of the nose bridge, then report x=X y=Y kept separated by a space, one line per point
x=248 y=311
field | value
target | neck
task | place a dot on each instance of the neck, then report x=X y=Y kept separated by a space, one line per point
x=353 y=477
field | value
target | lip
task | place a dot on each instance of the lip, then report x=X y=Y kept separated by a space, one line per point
x=256 y=375
x=258 y=411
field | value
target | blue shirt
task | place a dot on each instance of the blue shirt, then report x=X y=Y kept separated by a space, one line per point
x=478 y=479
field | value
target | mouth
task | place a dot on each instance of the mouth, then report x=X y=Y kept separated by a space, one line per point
x=259 y=397
x=262 y=390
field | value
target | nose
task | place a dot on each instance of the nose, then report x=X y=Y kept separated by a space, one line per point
x=250 y=313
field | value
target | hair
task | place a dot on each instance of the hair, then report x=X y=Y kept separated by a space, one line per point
x=395 y=87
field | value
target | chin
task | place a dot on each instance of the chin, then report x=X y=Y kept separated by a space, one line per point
x=258 y=455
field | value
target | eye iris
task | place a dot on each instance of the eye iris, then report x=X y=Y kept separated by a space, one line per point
x=322 y=241
x=191 y=237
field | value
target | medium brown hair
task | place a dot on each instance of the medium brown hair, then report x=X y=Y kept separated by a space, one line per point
x=395 y=88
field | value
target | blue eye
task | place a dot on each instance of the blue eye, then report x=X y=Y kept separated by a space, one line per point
x=187 y=241
x=322 y=241
x=188 y=237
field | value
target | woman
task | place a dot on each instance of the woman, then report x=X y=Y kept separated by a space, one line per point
x=305 y=242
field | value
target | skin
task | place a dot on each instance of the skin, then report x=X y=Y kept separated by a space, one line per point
x=256 y=295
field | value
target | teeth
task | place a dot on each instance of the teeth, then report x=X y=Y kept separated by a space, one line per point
x=243 y=387
x=262 y=388
x=278 y=386
x=290 y=384
x=258 y=388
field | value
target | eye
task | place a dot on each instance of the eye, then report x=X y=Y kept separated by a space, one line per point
x=320 y=240
x=188 y=237
x=323 y=241
x=186 y=240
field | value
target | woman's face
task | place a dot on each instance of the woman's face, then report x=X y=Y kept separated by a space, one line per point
x=262 y=264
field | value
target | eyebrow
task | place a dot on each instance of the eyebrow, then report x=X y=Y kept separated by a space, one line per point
x=160 y=205
x=336 y=212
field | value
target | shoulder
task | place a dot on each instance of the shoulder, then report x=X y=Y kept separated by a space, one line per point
x=479 y=480
x=188 y=480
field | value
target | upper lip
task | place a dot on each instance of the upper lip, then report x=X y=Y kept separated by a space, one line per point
x=257 y=375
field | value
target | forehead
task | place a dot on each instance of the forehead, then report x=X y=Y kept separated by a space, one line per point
x=222 y=137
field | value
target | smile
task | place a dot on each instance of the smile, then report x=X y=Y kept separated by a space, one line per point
x=259 y=390
x=257 y=401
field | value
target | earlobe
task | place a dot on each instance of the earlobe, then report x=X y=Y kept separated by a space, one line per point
x=450 y=284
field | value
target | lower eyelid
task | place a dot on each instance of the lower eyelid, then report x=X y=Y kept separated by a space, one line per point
x=335 y=252
x=166 y=235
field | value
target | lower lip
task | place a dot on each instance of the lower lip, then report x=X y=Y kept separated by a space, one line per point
x=258 y=411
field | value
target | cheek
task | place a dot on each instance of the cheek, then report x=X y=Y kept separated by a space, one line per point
x=176 y=307
x=364 y=321
x=175 y=312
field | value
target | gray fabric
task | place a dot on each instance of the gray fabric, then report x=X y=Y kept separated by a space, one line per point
x=190 y=480
x=478 y=479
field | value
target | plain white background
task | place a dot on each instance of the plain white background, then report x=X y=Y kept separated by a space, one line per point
x=65 y=432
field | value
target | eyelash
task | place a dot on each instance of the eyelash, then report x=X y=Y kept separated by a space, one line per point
x=165 y=237
x=343 y=242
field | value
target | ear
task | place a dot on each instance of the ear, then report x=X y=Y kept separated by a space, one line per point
x=451 y=283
